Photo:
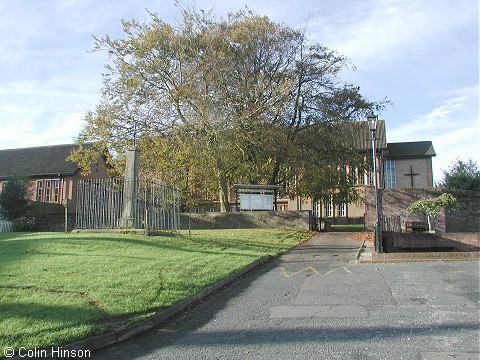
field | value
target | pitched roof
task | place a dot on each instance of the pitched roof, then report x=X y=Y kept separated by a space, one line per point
x=363 y=135
x=414 y=149
x=38 y=161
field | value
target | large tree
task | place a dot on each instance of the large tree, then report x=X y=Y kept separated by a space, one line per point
x=462 y=175
x=237 y=97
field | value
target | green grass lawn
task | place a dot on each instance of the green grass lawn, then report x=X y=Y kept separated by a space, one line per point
x=57 y=288
x=348 y=228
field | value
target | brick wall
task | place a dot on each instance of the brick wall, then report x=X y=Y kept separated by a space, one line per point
x=394 y=202
x=397 y=242
x=247 y=219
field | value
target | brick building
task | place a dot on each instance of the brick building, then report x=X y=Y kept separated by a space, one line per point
x=53 y=179
x=401 y=165
x=408 y=165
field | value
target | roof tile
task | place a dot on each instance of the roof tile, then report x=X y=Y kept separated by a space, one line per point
x=37 y=161
x=410 y=149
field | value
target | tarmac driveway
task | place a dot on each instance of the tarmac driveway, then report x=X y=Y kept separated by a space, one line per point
x=316 y=303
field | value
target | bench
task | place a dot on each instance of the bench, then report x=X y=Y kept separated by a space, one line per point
x=415 y=226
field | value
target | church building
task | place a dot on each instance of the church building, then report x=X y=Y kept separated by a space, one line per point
x=401 y=165
x=408 y=165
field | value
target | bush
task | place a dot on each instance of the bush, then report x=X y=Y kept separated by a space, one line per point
x=26 y=223
x=14 y=203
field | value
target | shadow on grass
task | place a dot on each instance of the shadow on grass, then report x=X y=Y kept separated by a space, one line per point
x=199 y=245
x=30 y=323
x=195 y=244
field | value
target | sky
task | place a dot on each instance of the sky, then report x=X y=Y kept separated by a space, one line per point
x=422 y=55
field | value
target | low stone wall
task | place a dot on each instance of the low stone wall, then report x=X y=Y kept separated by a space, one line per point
x=401 y=242
x=246 y=220
x=345 y=221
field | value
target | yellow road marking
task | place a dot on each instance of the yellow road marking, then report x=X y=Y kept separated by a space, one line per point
x=329 y=272
x=285 y=273
x=344 y=268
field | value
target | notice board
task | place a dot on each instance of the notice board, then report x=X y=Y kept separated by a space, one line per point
x=256 y=201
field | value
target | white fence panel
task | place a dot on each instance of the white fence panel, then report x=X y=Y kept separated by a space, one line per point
x=6 y=226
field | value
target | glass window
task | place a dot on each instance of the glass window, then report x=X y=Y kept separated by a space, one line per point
x=39 y=190
x=315 y=209
x=56 y=190
x=389 y=180
x=342 y=210
x=48 y=190
x=328 y=208
x=361 y=175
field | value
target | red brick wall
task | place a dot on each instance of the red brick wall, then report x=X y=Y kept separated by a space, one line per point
x=394 y=202
x=415 y=241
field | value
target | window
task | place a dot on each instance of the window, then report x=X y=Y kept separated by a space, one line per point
x=328 y=208
x=316 y=209
x=361 y=175
x=389 y=180
x=56 y=190
x=371 y=177
x=39 y=190
x=48 y=190
x=342 y=210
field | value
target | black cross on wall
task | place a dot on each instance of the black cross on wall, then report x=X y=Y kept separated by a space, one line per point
x=411 y=174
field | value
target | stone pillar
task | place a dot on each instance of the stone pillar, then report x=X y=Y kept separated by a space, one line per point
x=130 y=190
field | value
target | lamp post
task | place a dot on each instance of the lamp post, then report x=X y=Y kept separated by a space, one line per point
x=372 y=124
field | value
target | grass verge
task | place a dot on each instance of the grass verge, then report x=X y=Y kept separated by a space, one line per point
x=348 y=228
x=57 y=288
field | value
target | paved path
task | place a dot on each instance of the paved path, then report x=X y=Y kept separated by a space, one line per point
x=316 y=303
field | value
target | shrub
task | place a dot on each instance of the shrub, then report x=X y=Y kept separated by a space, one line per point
x=431 y=207
x=26 y=223
x=14 y=203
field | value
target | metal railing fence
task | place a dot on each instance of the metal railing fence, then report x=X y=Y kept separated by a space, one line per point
x=391 y=224
x=100 y=205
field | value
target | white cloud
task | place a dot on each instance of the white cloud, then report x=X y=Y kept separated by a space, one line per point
x=373 y=32
x=453 y=127
x=411 y=51
x=34 y=113
x=458 y=110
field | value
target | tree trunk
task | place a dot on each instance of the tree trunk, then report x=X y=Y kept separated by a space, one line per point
x=222 y=188
x=275 y=172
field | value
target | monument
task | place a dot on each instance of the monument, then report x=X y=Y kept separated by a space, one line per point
x=130 y=188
